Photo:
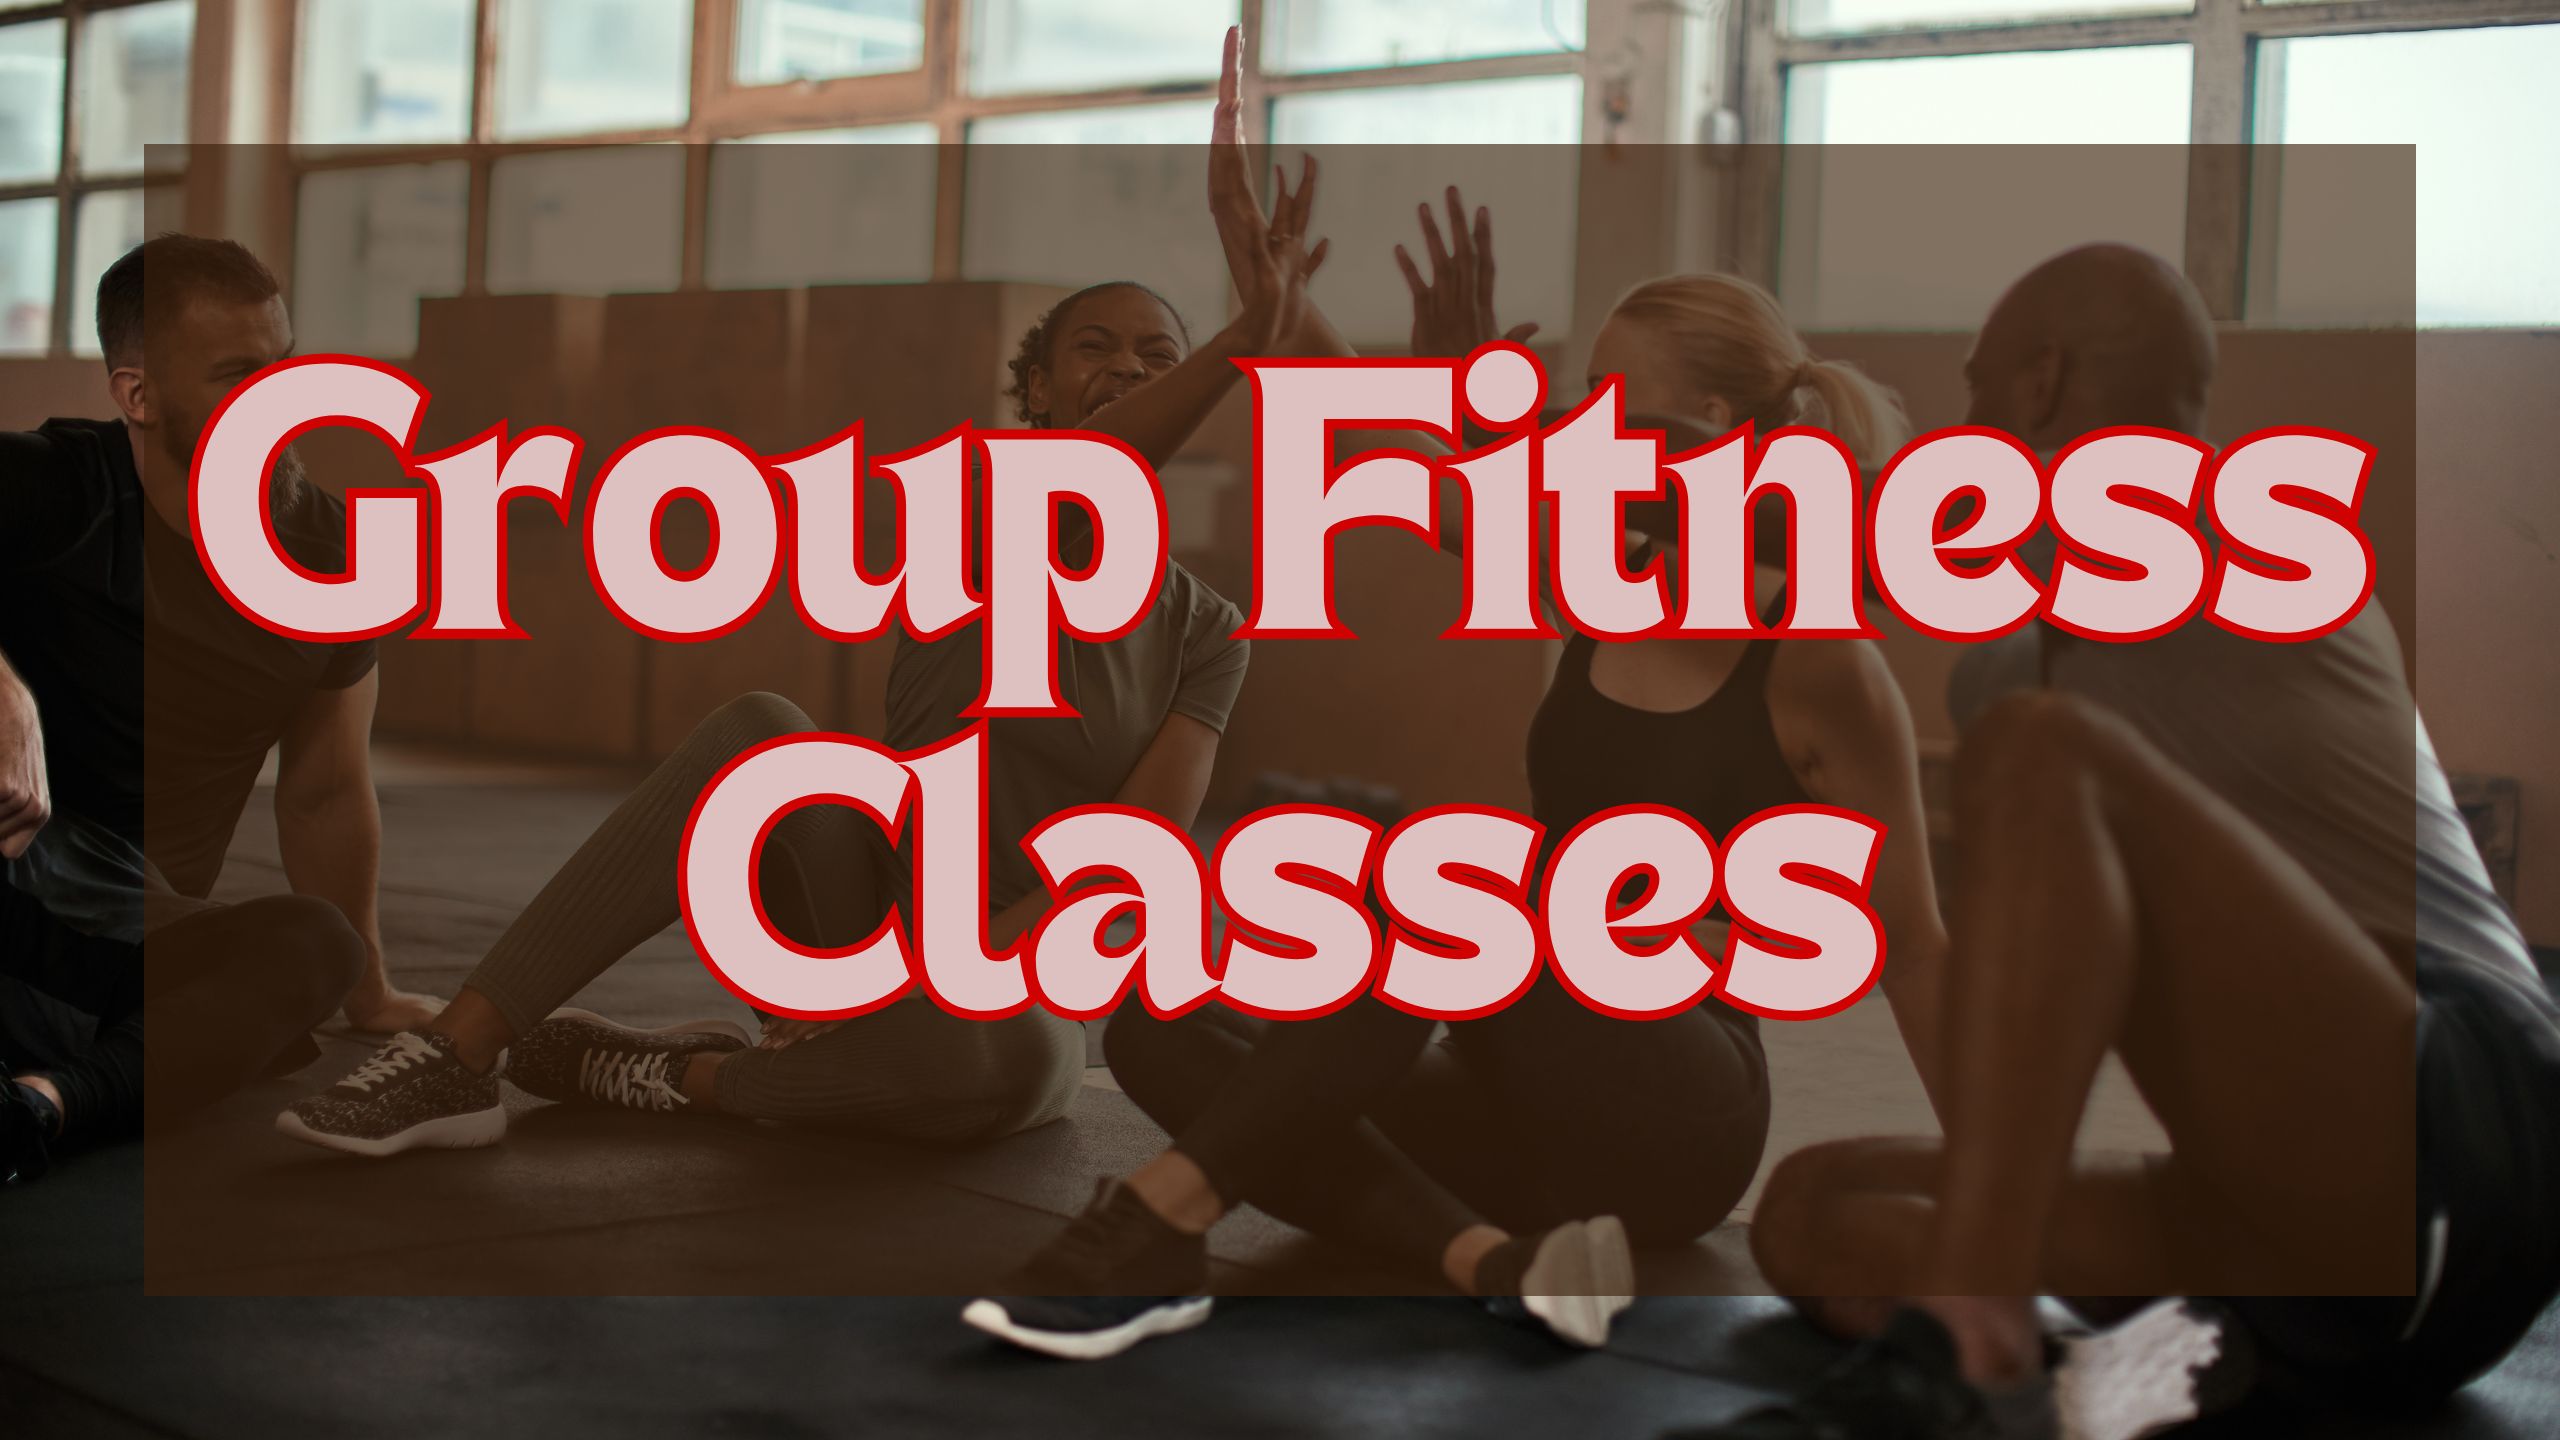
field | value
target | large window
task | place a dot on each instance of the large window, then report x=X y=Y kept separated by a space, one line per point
x=73 y=198
x=1859 y=242
x=2480 y=109
x=805 y=143
x=369 y=244
x=784 y=40
x=383 y=70
x=1020 y=46
x=1876 y=238
x=823 y=207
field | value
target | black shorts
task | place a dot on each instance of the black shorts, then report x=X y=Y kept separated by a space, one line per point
x=2488 y=1114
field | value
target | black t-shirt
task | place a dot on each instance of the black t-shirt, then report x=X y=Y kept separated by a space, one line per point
x=159 y=701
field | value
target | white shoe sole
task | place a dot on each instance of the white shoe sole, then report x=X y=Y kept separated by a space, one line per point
x=468 y=1131
x=2164 y=1367
x=1171 y=1319
x=1580 y=1280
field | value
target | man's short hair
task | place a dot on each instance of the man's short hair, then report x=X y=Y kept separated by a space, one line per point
x=183 y=267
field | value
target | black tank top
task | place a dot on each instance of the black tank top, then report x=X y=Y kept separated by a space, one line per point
x=1717 y=761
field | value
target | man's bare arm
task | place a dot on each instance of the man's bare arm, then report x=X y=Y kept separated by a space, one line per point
x=329 y=826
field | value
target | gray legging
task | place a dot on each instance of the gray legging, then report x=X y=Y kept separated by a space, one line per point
x=910 y=1071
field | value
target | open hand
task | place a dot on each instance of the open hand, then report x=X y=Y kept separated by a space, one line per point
x=1453 y=310
x=1268 y=257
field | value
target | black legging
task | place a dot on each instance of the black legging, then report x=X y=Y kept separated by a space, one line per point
x=230 y=992
x=1356 y=1128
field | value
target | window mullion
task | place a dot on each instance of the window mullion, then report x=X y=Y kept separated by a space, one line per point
x=484 y=69
x=65 y=189
x=2217 y=157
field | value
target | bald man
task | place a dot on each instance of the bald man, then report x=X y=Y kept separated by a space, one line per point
x=2236 y=866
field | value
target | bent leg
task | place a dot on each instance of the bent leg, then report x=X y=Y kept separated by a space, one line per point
x=619 y=889
x=233 y=992
x=2107 y=899
x=914 y=1071
x=1350 y=1183
x=1658 y=1122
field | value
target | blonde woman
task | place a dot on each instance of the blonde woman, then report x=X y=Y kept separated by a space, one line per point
x=1483 y=1158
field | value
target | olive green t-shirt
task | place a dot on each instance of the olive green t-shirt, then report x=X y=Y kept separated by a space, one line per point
x=1182 y=659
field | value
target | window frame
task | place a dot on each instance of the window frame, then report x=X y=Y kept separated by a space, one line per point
x=721 y=109
x=2224 y=36
x=69 y=187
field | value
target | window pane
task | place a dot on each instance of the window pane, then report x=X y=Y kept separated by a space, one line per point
x=572 y=66
x=2479 y=106
x=368 y=245
x=1513 y=155
x=780 y=40
x=1832 y=17
x=1874 y=235
x=1306 y=35
x=1083 y=196
x=587 y=222
x=818 y=207
x=373 y=70
x=1535 y=110
x=2135 y=95
x=31 y=101
x=26 y=276
x=1041 y=45
x=133 y=84
x=109 y=223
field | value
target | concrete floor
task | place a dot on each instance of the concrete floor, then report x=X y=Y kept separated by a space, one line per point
x=140 y=1294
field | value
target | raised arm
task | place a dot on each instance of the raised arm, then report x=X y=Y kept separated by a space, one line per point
x=1268 y=259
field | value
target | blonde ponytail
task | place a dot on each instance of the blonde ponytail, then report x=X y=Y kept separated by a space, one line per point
x=1735 y=344
x=1843 y=399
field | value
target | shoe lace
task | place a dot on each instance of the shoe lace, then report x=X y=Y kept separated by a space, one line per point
x=629 y=1077
x=403 y=1052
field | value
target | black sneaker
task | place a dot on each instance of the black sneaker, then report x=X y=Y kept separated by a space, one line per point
x=1573 y=1279
x=1902 y=1385
x=578 y=1055
x=27 y=1123
x=414 y=1093
x=1076 y=1302
x=2176 y=1361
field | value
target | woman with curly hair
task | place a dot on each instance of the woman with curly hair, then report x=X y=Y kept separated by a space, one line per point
x=1149 y=709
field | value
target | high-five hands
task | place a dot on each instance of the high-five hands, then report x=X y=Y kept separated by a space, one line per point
x=1453 y=310
x=1268 y=257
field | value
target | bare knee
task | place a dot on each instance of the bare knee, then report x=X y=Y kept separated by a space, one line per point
x=321 y=956
x=1786 y=1226
x=754 y=718
x=2035 y=744
x=1796 y=1230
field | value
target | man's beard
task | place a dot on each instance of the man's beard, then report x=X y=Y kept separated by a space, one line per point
x=285 y=478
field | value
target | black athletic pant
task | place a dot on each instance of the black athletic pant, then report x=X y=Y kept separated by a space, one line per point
x=1358 y=1128
x=229 y=992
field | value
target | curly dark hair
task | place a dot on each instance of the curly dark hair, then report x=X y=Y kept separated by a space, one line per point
x=1034 y=349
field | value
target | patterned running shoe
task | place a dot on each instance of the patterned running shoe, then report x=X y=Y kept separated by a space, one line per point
x=581 y=1057
x=414 y=1093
